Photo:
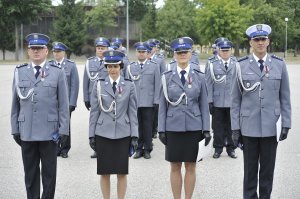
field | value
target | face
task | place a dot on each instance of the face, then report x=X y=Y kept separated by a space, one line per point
x=100 y=50
x=259 y=46
x=225 y=54
x=114 y=70
x=141 y=55
x=183 y=57
x=58 y=55
x=37 y=54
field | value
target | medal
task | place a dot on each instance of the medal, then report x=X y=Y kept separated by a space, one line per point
x=248 y=84
x=189 y=82
x=267 y=75
x=43 y=74
x=120 y=90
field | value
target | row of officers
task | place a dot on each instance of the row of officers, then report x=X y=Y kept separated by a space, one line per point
x=128 y=101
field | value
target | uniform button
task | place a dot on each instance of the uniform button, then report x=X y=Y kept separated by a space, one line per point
x=34 y=111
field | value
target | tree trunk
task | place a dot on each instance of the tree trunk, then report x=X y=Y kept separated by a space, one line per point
x=3 y=53
x=237 y=49
x=296 y=50
x=17 y=42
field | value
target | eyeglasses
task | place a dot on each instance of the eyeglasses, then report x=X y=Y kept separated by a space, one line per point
x=182 y=52
x=259 y=39
x=113 y=66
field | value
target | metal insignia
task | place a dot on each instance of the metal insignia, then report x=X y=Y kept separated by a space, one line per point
x=189 y=86
x=180 y=41
x=111 y=53
x=248 y=84
x=101 y=39
x=218 y=76
x=267 y=75
x=259 y=27
x=35 y=36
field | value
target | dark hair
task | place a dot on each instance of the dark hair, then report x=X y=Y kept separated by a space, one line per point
x=121 y=65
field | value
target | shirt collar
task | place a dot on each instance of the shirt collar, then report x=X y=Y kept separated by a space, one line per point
x=256 y=58
x=187 y=70
x=112 y=81
x=41 y=65
x=142 y=62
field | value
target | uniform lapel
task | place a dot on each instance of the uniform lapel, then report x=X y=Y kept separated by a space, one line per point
x=175 y=77
x=44 y=71
x=108 y=87
x=253 y=66
x=30 y=73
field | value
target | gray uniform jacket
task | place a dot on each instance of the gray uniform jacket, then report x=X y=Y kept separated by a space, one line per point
x=70 y=69
x=256 y=112
x=94 y=69
x=219 y=91
x=107 y=124
x=190 y=116
x=160 y=60
x=195 y=58
x=45 y=111
x=147 y=83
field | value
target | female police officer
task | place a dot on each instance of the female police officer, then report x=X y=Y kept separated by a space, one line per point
x=183 y=117
x=113 y=123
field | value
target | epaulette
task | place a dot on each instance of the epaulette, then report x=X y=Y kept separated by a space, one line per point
x=126 y=79
x=68 y=60
x=101 y=79
x=275 y=57
x=197 y=70
x=21 y=65
x=166 y=72
x=91 y=57
x=153 y=61
x=172 y=62
x=243 y=58
x=212 y=57
x=213 y=60
x=194 y=63
x=132 y=62
x=54 y=65
x=233 y=58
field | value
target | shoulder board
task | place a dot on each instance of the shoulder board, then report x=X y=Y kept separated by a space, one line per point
x=126 y=79
x=243 y=58
x=153 y=61
x=54 y=65
x=233 y=58
x=169 y=71
x=51 y=61
x=211 y=58
x=68 y=60
x=172 y=62
x=275 y=57
x=21 y=65
x=91 y=57
x=198 y=71
x=101 y=79
x=194 y=63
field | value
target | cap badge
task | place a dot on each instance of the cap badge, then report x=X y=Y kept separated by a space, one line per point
x=259 y=27
x=111 y=53
x=180 y=41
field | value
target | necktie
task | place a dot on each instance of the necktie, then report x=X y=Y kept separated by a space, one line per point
x=141 y=65
x=226 y=66
x=114 y=87
x=101 y=62
x=37 y=71
x=261 y=66
x=182 y=78
x=58 y=64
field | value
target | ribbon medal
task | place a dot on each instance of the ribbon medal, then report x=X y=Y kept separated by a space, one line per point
x=120 y=90
x=189 y=82
x=43 y=74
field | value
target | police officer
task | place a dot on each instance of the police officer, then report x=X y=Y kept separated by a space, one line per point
x=70 y=69
x=116 y=46
x=219 y=78
x=146 y=77
x=260 y=96
x=39 y=116
x=121 y=47
x=183 y=117
x=94 y=69
x=113 y=123
x=155 y=56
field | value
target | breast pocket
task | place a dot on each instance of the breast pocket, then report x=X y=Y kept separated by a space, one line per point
x=248 y=80
x=24 y=86
x=52 y=87
x=276 y=80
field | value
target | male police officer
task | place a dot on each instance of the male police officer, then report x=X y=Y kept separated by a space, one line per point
x=70 y=69
x=117 y=46
x=260 y=96
x=39 y=115
x=146 y=76
x=219 y=78
x=94 y=69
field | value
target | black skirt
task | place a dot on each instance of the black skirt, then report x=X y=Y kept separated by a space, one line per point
x=182 y=146
x=112 y=155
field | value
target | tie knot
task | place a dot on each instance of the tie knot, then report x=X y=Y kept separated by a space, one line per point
x=261 y=61
x=183 y=72
x=114 y=83
x=225 y=63
x=37 y=68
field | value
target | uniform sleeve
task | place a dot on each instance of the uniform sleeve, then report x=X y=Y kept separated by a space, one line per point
x=86 y=83
x=95 y=111
x=63 y=104
x=74 y=84
x=162 y=112
x=209 y=82
x=132 y=112
x=236 y=98
x=204 y=105
x=157 y=80
x=15 y=110
x=285 y=101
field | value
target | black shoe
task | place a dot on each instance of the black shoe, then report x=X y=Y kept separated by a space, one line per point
x=154 y=135
x=58 y=154
x=147 y=155
x=94 y=155
x=216 y=155
x=64 y=155
x=138 y=154
x=232 y=154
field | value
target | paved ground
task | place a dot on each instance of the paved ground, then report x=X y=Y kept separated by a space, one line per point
x=148 y=179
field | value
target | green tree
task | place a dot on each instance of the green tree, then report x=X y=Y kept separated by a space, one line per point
x=223 y=18
x=102 y=16
x=68 y=27
x=175 y=19
x=24 y=12
x=148 y=23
